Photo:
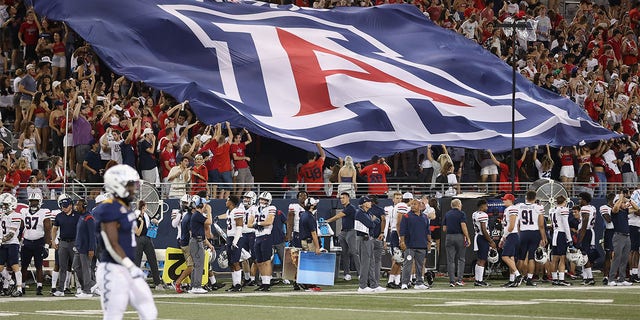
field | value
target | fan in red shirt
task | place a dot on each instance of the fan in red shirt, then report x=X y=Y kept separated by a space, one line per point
x=311 y=173
x=377 y=175
x=505 y=172
x=222 y=159
x=244 y=180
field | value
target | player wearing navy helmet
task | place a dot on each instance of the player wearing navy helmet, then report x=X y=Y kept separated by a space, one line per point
x=121 y=281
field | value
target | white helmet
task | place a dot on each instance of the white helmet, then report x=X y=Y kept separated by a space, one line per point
x=64 y=200
x=251 y=196
x=573 y=254
x=397 y=255
x=186 y=199
x=310 y=202
x=212 y=257
x=8 y=202
x=35 y=206
x=198 y=201
x=582 y=260
x=118 y=177
x=223 y=262
x=101 y=197
x=493 y=256
x=541 y=256
x=266 y=196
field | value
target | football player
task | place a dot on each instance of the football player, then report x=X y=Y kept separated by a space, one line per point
x=235 y=221
x=262 y=222
x=37 y=237
x=605 y=211
x=121 y=281
x=248 y=266
x=561 y=239
x=532 y=234
x=482 y=241
x=586 y=236
x=392 y=239
x=10 y=222
x=510 y=239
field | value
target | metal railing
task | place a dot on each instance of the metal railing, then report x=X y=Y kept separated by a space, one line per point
x=330 y=190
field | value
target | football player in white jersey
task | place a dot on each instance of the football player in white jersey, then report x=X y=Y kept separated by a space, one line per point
x=482 y=241
x=10 y=222
x=532 y=234
x=235 y=221
x=586 y=236
x=121 y=281
x=510 y=239
x=248 y=266
x=293 y=220
x=561 y=240
x=262 y=222
x=37 y=237
x=393 y=241
x=634 y=237
x=605 y=211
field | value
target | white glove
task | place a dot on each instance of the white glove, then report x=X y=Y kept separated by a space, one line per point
x=136 y=272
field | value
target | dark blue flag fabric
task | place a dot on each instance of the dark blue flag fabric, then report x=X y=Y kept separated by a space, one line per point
x=360 y=81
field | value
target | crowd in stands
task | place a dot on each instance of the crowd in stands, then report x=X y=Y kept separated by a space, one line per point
x=56 y=96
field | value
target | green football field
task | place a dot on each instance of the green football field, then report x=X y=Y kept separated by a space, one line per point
x=342 y=302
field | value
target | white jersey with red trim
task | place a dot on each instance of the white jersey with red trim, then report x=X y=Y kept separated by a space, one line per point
x=297 y=209
x=511 y=210
x=34 y=222
x=10 y=224
x=529 y=214
x=261 y=215
x=232 y=215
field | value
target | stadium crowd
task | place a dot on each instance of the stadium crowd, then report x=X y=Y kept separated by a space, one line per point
x=49 y=72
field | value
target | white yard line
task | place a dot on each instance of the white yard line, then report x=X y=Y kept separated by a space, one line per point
x=365 y=311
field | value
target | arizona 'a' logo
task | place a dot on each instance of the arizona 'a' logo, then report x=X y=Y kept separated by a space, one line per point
x=321 y=76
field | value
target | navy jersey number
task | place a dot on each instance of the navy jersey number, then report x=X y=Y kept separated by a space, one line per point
x=527 y=217
x=31 y=222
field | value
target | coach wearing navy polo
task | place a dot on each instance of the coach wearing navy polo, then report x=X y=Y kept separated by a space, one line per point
x=347 y=236
x=621 y=241
x=455 y=226
x=67 y=222
x=415 y=238
x=365 y=224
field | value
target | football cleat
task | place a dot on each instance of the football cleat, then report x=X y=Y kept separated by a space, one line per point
x=392 y=285
x=38 y=291
x=564 y=283
x=530 y=283
x=236 y=288
x=178 y=288
x=508 y=284
x=518 y=280
x=263 y=288
x=480 y=284
x=429 y=277
x=216 y=286
x=605 y=281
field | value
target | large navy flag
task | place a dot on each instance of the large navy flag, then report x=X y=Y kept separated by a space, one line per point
x=360 y=81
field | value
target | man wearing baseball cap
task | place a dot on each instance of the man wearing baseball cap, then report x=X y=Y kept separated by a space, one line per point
x=364 y=225
x=415 y=238
x=510 y=239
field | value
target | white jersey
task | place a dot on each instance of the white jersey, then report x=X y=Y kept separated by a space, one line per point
x=480 y=217
x=399 y=209
x=54 y=213
x=262 y=214
x=231 y=220
x=529 y=215
x=248 y=212
x=297 y=209
x=591 y=221
x=511 y=210
x=34 y=223
x=390 y=219
x=605 y=209
x=634 y=220
x=560 y=222
x=10 y=223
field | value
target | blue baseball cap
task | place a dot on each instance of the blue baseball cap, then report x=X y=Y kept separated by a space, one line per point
x=364 y=199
